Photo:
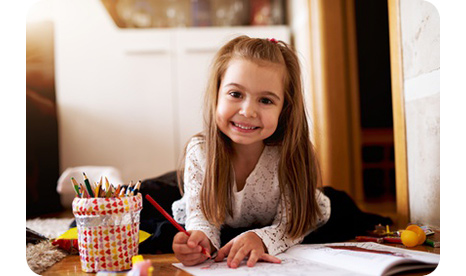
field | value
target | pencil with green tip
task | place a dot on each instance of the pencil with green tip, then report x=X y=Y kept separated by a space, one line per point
x=109 y=191
x=75 y=186
x=88 y=186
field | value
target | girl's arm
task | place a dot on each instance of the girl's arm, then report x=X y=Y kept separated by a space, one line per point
x=193 y=177
x=275 y=238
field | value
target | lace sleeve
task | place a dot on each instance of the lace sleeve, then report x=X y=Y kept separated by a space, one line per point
x=193 y=177
x=275 y=237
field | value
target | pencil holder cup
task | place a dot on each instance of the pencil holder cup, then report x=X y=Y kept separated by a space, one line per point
x=108 y=231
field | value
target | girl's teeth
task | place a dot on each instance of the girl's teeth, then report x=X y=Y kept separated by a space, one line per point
x=244 y=127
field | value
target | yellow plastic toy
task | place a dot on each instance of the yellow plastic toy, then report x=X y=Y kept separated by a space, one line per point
x=409 y=238
x=421 y=235
x=412 y=236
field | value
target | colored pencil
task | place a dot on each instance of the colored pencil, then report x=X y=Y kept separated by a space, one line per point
x=117 y=192
x=122 y=192
x=135 y=191
x=84 y=193
x=97 y=189
x=88 y=186
x=104 y=190
x=109 y=191
x=107 y=184
x=130 y=187
x=75 y=186
x=172 y=221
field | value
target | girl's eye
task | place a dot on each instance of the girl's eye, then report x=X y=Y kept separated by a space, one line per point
x=266 y=101
x=235 y=94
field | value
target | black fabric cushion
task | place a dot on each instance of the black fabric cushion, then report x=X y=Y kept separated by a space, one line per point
x=346 y=220
x=163 y=189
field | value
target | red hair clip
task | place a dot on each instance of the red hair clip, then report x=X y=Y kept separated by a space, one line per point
x=273 y=40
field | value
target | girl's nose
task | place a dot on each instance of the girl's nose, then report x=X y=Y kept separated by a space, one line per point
x=248 y=110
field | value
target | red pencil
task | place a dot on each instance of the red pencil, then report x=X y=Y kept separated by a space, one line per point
x=172 y=221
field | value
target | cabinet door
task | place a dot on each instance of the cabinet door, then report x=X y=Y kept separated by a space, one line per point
x=114 y=97
x=195 y=50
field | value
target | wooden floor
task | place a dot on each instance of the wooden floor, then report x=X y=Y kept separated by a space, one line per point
x=162 y=266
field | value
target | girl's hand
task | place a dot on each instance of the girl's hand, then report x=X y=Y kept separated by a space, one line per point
x=247 y=244
x=188 y=249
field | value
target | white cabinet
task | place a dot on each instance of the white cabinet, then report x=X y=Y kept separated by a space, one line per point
x=131 y=98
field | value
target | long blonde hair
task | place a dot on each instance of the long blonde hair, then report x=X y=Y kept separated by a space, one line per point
x=299 y=174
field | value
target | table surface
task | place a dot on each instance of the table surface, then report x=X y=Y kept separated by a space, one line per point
x=162 y=264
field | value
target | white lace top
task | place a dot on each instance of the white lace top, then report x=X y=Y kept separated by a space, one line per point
x=258 y=203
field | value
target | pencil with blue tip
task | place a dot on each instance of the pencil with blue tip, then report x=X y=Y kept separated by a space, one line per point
x=129 y=188
x=135 y=191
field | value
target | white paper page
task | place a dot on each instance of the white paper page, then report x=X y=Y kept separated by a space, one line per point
x=289 y=266
x=319 y=259
x=370 y=263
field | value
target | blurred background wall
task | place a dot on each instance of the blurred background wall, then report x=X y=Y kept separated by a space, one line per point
x=420 y=28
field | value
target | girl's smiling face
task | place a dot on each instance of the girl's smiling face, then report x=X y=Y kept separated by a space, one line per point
x=250 y=100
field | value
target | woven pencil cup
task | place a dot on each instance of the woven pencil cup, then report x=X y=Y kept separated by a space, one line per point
x=108 y=232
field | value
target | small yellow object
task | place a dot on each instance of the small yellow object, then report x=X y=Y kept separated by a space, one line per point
x=421 y=235
x=409 y=238
x=137 y=259
x=72 y=234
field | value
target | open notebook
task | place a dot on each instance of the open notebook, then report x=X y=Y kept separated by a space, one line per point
x=328 y=259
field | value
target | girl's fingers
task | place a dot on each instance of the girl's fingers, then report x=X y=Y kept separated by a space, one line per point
x=184 y=249
x=195 y=239
x=224 y=251
x=232 y=254
x=180 y=238
x=191 y=260
x=253 y=258
x=238 y=257
x=188 y=250
x=269 y=258
x=195 y=257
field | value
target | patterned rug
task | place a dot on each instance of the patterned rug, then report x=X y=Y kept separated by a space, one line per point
x=43 y=255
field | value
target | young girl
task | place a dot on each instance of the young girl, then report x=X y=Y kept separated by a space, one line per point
x=254 y=167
